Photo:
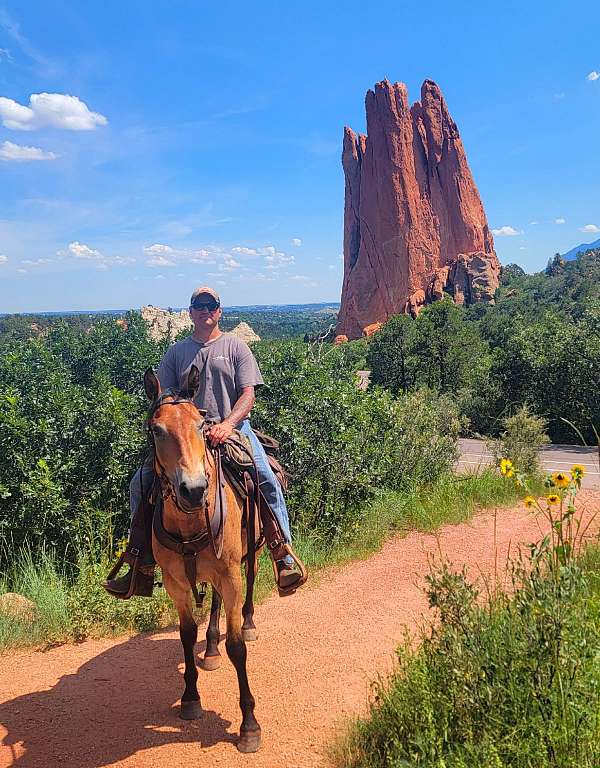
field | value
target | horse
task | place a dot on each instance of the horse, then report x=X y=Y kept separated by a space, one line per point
x=186 y=468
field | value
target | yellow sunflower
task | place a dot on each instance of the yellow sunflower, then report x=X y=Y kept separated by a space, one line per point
x=577 y=471
x=553 y=498
x=529 y=501
x=560 y=479
x=506 y=467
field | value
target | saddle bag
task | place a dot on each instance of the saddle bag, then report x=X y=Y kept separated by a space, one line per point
x=270 y=444
x=236 y=453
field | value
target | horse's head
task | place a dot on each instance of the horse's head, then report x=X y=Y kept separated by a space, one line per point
x=176 y=427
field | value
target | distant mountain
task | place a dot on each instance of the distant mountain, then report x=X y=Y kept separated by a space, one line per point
x=572 y=254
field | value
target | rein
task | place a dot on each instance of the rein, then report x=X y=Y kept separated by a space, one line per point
x=213 y=534
x=188 y=549
x=166 y=486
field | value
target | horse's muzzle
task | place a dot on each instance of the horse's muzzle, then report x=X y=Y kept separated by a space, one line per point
x=192 y=497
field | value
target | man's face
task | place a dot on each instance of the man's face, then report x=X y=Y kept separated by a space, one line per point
x=204 y=312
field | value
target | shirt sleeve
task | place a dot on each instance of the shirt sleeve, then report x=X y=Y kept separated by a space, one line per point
x=247 y=372
x=167 y=373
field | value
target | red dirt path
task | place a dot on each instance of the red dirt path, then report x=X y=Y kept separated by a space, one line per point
x=114 y=702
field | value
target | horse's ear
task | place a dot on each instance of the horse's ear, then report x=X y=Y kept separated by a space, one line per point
x=151 y=385
x=193 y=382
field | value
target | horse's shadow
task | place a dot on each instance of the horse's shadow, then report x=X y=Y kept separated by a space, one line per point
x=120 y=702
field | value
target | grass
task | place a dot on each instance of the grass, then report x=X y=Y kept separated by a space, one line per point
x=510 y=680
x=72 y=607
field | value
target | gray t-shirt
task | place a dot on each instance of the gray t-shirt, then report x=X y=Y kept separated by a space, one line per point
x=230 y=366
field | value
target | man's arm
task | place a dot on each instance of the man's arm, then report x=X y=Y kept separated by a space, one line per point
x=220 y=432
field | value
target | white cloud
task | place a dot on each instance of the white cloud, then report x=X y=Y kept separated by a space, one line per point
x=22 y=271
x=560 y=220
x=593 y=76
x=590 y=228
x=278 y=259
x=159 y=277
x=296 y=241
x=5 y=54
x=151 y=250
x=533 y=223
x=82 y=251
x=54 y=110
x=230 y=263
x=506 y=231
x=36 y=262
x=160 y=261
x=20 y=154
x=243 y=251
x=3 y=258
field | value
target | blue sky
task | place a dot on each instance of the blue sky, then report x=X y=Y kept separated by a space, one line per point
x=202 y=142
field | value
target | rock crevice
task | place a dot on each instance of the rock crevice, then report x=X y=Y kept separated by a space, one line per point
x=414 y=224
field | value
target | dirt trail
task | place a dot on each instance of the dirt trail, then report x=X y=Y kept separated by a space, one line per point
x=114 y=702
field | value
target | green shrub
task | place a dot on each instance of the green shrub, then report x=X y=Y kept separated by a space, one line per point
x=512 y=680
x=523 y=437
x=341 y=444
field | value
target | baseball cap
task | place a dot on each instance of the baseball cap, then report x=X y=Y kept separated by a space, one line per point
x=205 y=289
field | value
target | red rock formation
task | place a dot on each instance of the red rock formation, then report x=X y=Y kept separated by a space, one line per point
x=414 y=225
x=369 y=330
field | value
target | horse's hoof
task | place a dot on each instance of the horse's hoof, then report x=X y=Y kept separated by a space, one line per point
x=249 y=742
x=209 y=663
x=190 y=710
x=250 y=634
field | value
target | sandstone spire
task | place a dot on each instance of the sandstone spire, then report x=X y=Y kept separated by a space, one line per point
x=414 y=225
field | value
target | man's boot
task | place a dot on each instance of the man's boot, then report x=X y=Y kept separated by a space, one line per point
x=288 y=575
x=289 y=571
x=138 y=581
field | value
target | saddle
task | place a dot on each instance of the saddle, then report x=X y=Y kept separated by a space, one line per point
x=234 y=462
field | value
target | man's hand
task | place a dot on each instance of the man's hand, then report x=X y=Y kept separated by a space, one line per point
x=220 y=432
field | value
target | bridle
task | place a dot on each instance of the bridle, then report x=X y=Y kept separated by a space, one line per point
x=166 y=486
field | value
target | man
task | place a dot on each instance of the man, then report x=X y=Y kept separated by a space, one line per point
x=229 y=376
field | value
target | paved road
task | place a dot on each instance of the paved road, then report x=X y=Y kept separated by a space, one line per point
x=554 y=457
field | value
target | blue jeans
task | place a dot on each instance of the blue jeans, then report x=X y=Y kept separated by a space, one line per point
x=267 y=482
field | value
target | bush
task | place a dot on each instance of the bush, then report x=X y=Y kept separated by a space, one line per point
x=340 y=444
x=523 y=437
x=513 y=681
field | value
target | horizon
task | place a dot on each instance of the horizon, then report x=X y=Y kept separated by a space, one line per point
x=176 y=148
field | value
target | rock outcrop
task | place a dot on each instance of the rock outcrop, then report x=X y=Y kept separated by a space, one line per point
x=414 y=225
x=165 y=323
x=244 y=332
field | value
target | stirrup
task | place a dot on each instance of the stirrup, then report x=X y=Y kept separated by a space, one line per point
x=134 y=562
x=303 y=576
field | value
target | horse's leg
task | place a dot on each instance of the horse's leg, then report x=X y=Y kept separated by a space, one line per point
x=231 y=590
x=191 y=708
x=212 y=657
x=249 y=627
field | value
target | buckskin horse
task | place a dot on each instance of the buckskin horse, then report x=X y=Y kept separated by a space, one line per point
x=190 y=548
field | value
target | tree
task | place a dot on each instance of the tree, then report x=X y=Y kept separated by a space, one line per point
x=389 y=355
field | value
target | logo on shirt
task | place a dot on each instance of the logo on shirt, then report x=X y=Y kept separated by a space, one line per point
x=220 y=357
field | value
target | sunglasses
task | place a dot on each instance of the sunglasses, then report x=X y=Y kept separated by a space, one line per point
x=211 y=305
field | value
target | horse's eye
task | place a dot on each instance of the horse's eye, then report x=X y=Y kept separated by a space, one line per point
x=157 y=431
